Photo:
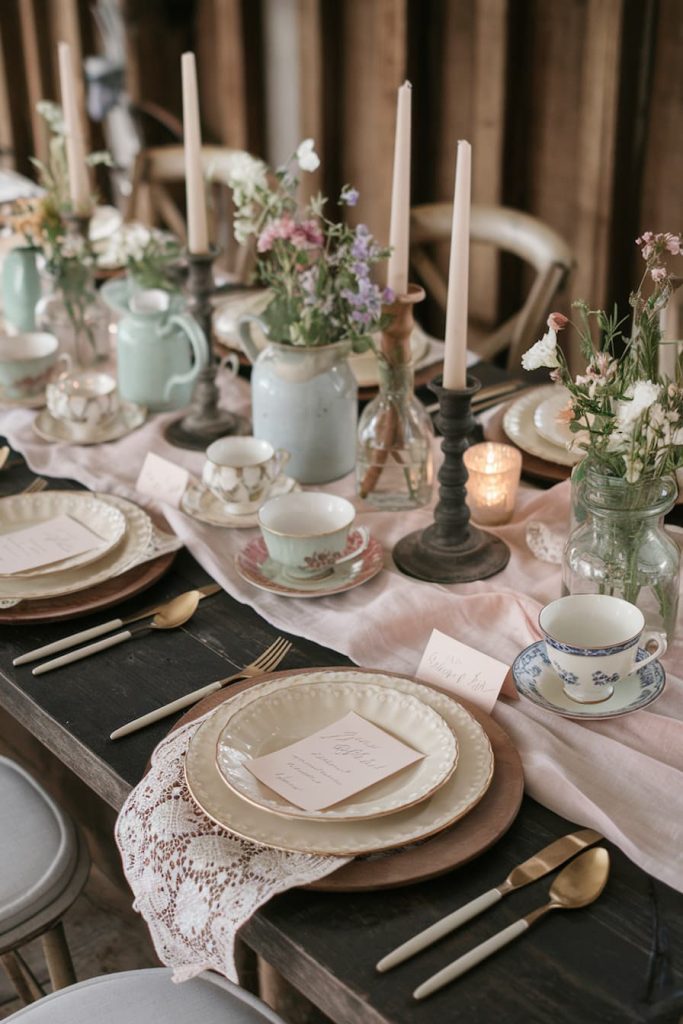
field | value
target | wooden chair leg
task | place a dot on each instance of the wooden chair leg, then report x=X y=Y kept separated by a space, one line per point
x=58 y=957
x=21 y=984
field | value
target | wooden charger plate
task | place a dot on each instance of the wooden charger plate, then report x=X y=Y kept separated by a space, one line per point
x=450 y=849
x=82 y=602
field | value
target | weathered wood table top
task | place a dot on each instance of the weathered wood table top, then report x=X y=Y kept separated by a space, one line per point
x=620 y=960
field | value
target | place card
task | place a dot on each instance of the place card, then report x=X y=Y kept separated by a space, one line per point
x=462 y=670
x=334 y=763
x=45 y=544
x=162 y=479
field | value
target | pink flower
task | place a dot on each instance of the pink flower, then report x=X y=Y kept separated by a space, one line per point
x=557 y=321
x=302 y=236
x=658 y=274
x=673 y=243
x=645 y=242
x=566 y=413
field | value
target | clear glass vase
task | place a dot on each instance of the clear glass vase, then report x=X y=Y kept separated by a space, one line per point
x=394 y=462
x=619 y=545
x=72 y=310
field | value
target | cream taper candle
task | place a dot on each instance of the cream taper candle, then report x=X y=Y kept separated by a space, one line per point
x=399 y=228
x=197 y=230
x=79 y=183
x=455 y=354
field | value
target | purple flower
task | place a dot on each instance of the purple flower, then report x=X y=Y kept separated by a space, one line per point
x=388 y=296
x=349 y=196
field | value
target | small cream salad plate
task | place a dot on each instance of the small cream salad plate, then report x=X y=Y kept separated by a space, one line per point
x=519 y=425
x=347 y=837
x=19 y=511
x=280 y=718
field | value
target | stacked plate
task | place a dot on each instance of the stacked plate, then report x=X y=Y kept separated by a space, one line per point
x=125 y=530
x=419 y=801
x=534 y=423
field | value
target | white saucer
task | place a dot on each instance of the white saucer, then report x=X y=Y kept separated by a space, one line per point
x=128 y=418
x=200 y=503
x=536 y=680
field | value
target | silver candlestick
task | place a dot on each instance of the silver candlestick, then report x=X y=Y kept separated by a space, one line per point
x=205 y=421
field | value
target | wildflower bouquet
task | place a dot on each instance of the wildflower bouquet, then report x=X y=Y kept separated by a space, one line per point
x=621 y=410
x=318 y=271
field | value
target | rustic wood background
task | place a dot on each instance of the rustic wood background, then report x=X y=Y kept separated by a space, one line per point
x=573 y=107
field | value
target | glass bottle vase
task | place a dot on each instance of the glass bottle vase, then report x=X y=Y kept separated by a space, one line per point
x=394 y=461
x=72 y=310
x=619 y=545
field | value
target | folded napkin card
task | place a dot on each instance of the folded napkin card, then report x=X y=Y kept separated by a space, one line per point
x=162 y=480
x=45 y=544
x=334 y=763
x=463 y=671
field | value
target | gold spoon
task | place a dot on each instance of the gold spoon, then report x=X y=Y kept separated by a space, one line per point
x=172 y=615
x=579 y=884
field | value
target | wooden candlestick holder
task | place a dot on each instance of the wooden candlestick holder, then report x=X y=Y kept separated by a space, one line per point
x=451 y=550
x=205 y=421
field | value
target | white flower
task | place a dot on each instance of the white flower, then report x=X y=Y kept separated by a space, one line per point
x=243 y=173
x=543 y=353
x=306 y=156
x=639 y=397
x=634 y=467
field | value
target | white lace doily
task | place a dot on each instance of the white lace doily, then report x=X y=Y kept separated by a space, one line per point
x=194 y=882
x=545 y=543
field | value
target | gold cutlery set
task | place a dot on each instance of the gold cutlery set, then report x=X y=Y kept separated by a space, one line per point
x=578 y=885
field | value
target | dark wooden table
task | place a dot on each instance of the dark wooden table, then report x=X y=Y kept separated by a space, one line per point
x=618 y=961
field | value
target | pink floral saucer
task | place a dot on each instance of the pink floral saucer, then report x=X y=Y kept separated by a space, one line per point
x=254 y=566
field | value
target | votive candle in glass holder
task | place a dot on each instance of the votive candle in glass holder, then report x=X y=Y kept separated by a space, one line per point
x=493 y=477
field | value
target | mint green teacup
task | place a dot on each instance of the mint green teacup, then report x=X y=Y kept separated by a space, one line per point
x=308 y=533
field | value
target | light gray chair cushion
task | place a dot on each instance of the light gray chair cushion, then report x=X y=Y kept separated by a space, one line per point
x=148 y=997
x=38 y=847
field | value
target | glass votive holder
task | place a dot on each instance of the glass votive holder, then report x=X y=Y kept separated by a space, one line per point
x=493 y=477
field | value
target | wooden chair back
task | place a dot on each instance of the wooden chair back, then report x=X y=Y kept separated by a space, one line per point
x=158 y=176
x=510 y=231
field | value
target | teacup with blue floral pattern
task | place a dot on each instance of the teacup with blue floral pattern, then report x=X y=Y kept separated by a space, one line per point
x=593 y=641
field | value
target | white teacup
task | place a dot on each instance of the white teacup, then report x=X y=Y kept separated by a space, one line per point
x=307 y=533
x=592 y=641
x=27 y=362
x=241 y=471
x=85 y=401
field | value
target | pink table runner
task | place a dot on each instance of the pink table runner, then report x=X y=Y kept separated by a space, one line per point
x=623 y=777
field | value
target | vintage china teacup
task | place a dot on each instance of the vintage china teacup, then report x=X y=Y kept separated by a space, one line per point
x=592 y=641
x=27 y=361
x=307 y=533
x=85 y=401
x=241 y=471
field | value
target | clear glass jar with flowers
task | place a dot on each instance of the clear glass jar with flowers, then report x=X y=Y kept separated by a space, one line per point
x=628 y=419
x=70 y=307
x=323 y=305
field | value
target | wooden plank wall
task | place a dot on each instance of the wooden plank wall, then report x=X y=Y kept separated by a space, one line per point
x=542 y=88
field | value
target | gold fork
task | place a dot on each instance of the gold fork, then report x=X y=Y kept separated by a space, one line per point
x=35 y=486
x=266 y=662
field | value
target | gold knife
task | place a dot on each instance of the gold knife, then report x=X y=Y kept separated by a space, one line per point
x=105 y=627
x=541 y=864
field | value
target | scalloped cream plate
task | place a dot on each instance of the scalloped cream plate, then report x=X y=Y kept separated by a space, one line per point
x=292 y=713
x=127 y=553
x=518 y=424
x=347 y=838
x=22 y=510
x=546 y=419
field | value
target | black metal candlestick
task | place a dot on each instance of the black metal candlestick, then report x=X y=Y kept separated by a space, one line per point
x=205 y=420
x=451 y=550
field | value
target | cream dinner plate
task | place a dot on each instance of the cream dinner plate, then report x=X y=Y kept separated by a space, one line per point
x=518 y=424
x=451 y=801
x=20 y=511
x=291 y=713
x=128 y=552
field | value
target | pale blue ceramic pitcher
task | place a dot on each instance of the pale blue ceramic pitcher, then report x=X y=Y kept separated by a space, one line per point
x=160 y=351
x=20 y=287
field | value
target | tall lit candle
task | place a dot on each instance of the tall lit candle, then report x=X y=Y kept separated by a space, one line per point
x=455 y=354
x=79 y=184
x=399 y=229
x=197 y=231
